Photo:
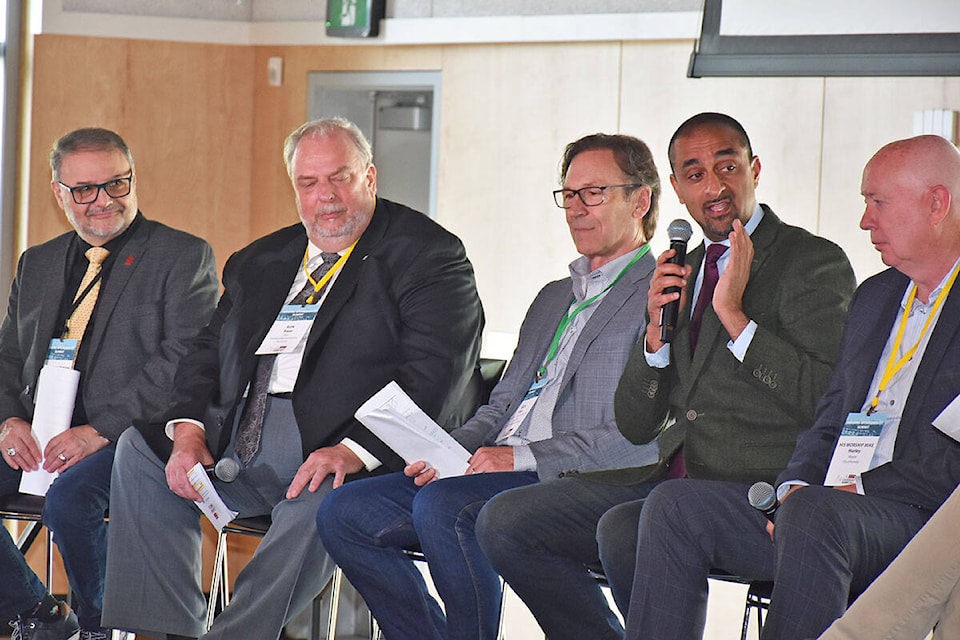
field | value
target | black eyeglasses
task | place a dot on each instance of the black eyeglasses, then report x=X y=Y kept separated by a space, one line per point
x=589 y=196
x=87 y=193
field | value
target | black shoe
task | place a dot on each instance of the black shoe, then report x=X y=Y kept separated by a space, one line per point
x=66 y=627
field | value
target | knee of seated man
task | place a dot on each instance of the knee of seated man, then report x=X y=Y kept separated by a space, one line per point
x=506 y=521
x=808 y=511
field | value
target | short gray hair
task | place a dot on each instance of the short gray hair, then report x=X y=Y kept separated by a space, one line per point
x=87 y=139
x=324 y=127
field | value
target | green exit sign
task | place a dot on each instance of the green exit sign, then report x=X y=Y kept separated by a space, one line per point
x=354 y=18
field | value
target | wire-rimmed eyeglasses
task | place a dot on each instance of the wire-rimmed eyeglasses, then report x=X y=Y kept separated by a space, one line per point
x=87 y=193
x=589 y=196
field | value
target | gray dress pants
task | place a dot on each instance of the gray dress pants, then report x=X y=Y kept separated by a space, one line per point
x=153 y=557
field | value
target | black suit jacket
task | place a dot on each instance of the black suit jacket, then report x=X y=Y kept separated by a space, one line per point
x=162 y=289
x=926 y=463
x=404 y=308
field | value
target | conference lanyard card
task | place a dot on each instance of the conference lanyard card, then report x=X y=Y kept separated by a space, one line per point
x=289 y=329
x=62 y=353
x=855 y=448
x=529 y=399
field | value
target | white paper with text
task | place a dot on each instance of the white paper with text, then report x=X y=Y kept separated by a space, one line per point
x=212 y=504
x=397 y=420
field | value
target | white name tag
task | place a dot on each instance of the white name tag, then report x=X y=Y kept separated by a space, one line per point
x=529 y=399
x=855 y=448
x=289 y=329
x=61 y=353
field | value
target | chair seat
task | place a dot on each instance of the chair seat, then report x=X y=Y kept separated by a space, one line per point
x=21 y=506
x=252 y=526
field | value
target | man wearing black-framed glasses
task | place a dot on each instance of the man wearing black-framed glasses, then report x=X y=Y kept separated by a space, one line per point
x=107 y=304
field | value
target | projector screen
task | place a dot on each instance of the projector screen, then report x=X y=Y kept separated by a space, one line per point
x=824 y=38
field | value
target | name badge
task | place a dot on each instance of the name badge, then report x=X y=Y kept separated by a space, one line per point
x=289 y=329
x=855 y=448
x=62 y=353
x=529 y=399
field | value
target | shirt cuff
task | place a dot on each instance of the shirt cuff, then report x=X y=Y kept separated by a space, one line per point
x=523 y=459
x=660 y=359
x=789 y=484
x=168 y=429
x=739 y=346
x=369 y=460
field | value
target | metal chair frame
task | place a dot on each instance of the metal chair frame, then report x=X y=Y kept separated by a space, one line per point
x=29 y=508
x=758 y=598
x=220 y=583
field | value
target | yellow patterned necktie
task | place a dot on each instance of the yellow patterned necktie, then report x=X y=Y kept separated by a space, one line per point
x=77 y=322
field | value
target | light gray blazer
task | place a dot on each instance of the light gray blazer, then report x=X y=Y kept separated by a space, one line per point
x=585 y=435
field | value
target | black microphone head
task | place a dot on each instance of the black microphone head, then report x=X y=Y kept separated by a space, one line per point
x=762 y=496
x=227 y=469
x=679 y=231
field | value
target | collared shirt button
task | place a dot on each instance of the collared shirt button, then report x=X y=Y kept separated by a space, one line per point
x=691 y=415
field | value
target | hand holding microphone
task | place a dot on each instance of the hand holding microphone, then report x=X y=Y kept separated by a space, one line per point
x=679 y=233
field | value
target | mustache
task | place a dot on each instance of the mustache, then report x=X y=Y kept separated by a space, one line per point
x=716 y=201
x=330 y=208
x=111 y=208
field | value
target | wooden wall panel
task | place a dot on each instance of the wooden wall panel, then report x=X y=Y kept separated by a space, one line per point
x=860 y=116
x=186 y=110
x=782 y=116
x=507 y=113
x=279 y=110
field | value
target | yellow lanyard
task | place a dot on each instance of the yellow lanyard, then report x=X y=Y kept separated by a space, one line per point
x=894 y=364
x=319 y=284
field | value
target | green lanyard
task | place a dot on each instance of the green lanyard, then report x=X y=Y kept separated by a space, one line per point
x=571 y=314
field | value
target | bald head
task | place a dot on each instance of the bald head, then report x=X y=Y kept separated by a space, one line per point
x=912 y=193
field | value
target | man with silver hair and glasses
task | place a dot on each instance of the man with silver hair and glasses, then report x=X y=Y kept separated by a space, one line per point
x=111 y=303
x=551 y=415
x=382 y=293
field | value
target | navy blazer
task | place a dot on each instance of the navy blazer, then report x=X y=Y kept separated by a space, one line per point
x=404 y=307
x=926 y=463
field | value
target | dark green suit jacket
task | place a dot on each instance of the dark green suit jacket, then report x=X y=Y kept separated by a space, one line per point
x=739 y=421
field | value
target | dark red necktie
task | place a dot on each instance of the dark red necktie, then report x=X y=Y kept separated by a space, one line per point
x=710 y=277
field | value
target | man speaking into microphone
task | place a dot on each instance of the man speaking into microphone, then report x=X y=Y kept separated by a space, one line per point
x=761 y=305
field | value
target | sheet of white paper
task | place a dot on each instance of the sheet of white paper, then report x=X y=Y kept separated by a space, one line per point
x=212 y=504
x=53 y=412
x=397 y=420
x=949 y=419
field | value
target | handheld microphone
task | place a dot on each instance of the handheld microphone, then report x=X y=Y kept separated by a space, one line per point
x=763 y=497
x=226 y=469
x=679 y=233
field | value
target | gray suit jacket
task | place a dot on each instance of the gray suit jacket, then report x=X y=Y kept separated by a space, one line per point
x=585 y=434
x=739 y=421
x=161 y=290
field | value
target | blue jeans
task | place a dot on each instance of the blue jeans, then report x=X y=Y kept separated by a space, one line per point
x=365 y=525
x=74 y=509
x=20 y=587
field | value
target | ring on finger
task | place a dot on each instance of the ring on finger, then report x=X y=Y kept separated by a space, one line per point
x=61 y=457
x=11 y=451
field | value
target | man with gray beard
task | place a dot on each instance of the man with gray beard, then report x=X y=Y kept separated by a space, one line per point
x=314 y=319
